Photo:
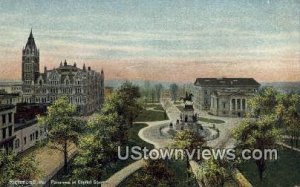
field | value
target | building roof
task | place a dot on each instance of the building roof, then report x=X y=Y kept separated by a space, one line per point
x=226 y=82
x=10 y=83
x=30 y=42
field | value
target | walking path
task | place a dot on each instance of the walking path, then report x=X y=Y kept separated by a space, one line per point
x=150 y=134
x=119 y=176
x=290 y=147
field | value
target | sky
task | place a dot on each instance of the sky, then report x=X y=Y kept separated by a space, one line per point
x=162 y=40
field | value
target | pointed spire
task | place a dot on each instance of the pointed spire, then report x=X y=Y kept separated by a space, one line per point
x=102 y=71
x=31 y=35
x=65 y=63
x=83 y=67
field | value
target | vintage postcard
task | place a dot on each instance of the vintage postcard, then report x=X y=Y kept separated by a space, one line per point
x=141 y=93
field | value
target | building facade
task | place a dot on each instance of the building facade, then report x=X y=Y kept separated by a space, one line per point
x=11 y=87
x=83 y=87
x=7 y=135
x=231 y=103
x=26 y=128
x=10 y=98
x=221 y=95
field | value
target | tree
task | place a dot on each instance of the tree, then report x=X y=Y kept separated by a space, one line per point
x=158 y=90
x=174 y=90
x=258 y=134
x=155 y=173
x=125 y=102
x=62 y=126
x=146 y=89
x=187 y=140
x=212 y=173
x=97 y=150
x=264 y=103
x=288 y=115
x=13 y=167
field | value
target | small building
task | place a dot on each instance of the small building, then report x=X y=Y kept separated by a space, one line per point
x=204 y=88
x=7 y=136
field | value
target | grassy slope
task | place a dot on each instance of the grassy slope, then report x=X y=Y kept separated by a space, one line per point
x=149 y=115
x=283 y=172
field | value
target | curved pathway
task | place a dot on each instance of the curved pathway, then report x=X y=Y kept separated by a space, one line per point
x=119 y=176
x=150 y=134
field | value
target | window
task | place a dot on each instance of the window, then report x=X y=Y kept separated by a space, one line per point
x=4 y=133
x=224 y=105
x=9 y=117
x=238 y=104
x=24 y=140
x=10 y=131
x=3 y=119
x=233 y=104
x=36 y=135
x=31 y=137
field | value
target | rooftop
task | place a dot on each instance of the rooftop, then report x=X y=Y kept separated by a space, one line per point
x=226 y=82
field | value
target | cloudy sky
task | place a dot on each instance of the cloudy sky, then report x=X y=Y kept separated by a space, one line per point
x=169 y=40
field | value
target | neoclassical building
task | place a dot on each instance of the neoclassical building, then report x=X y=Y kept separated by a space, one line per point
x=84 y=87
x=224 y=96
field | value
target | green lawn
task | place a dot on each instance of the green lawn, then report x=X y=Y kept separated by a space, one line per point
x=149 y=115
x=178 y=168
x=283 y=172
x=178 y=102
x=209 y=120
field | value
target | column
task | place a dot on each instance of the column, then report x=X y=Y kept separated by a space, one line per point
x=241 y=104
x=230 y=101
x=235 y=104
